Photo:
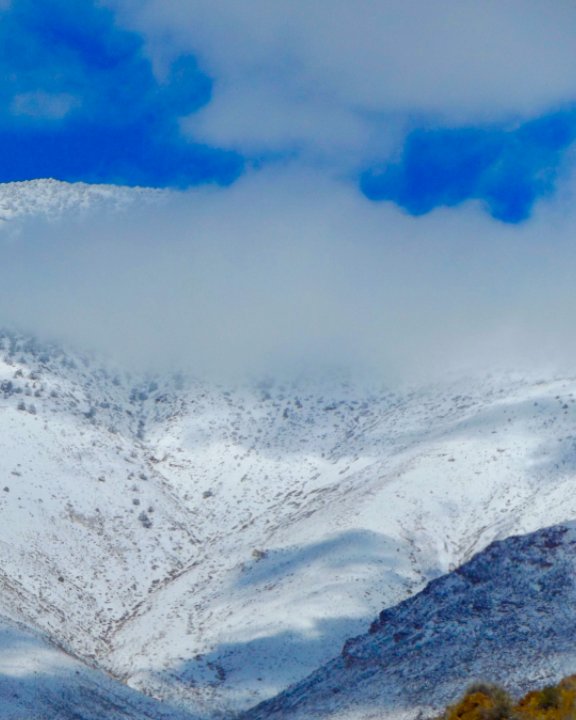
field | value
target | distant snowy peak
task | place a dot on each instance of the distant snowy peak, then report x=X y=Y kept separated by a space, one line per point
x=51 y=198
x=506 y=616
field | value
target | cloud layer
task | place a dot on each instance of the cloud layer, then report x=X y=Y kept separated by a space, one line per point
x=248 y=281
x=351 y=158
x=458 y=60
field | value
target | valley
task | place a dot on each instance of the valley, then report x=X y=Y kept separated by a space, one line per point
x=207 y=545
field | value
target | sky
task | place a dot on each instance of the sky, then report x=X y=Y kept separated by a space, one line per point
x=383 y=182
x=416 y=103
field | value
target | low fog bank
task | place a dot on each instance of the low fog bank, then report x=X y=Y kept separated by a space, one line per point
x=286 y=271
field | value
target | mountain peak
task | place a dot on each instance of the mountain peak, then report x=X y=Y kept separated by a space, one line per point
x=51 y=198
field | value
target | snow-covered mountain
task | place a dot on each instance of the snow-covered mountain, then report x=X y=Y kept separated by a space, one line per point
x=51 y=198
x=506 y=616
x=211 y=545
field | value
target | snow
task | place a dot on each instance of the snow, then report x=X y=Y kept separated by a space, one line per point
x=211 y=545
x=51 y=198
x=282 y=521
x=41 y=682
x=506 y=616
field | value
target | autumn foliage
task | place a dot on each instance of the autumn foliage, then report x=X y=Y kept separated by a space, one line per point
x=491 y=702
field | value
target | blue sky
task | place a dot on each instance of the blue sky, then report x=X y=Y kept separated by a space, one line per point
x=80 y=102
x=507 y=168
x=401 y=101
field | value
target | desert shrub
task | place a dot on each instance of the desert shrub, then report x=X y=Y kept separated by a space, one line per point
x=145 y=520
x=482 y=701
x=550 y=697
x=554 y=702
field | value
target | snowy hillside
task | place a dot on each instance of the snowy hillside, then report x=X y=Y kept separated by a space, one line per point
x=211 y=545
x=40 y=682
x=320 y=510
x=51 y=198
x=507 y=616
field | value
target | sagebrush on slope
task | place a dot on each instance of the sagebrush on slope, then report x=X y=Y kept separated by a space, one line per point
x=492 y=702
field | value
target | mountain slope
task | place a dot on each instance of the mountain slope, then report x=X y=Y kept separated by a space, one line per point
x=42 y=682
x=506 y=616
x=76 y=502
x=323 y=517
x=211 y=545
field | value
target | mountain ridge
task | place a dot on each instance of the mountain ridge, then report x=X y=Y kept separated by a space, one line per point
x=503 y=617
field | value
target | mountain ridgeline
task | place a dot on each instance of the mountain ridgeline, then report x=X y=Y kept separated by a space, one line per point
x=505 y=617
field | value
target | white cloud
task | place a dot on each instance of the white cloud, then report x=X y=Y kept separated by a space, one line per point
x=317 y=126
x=289 y=265
x=288 y=268
x=326 y=66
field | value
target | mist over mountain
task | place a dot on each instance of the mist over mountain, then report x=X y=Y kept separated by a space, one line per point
x=207 y=541
x=287 y=390
x=246 y=283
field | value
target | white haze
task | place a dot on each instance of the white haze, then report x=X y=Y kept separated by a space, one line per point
x=288 y=270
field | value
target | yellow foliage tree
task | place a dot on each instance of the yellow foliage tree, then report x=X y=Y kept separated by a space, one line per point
x=481 y=702
x=491 y=702
x=555 y=702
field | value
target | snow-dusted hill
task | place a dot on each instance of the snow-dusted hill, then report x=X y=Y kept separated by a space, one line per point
x=41 y=682
x=52 y=198
x=325 y=509
x=507 y=616
x=210 y=545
